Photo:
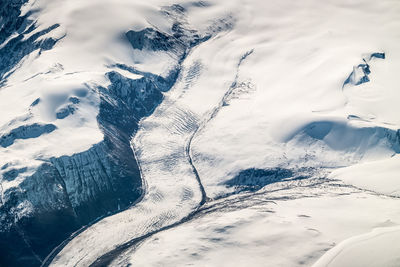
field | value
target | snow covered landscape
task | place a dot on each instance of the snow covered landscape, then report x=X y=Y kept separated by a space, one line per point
x=201 y=133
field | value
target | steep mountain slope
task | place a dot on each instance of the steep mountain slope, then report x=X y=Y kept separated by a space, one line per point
x=251 y=128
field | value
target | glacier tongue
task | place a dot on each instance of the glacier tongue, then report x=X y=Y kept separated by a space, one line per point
x=172 y=189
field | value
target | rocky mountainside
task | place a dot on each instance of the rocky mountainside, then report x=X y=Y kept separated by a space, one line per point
x=42 y=204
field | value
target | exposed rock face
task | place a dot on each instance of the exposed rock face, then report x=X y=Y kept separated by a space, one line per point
x=25 y=132
x=10 y=19
x=360 y=73
x=67 y=192
x=13 y=31
x=46 y=217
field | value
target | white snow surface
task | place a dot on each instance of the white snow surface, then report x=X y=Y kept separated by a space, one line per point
x=266 y=93
x=379 y=247
x=382 y=176
x=303 y=53
x=268 y=231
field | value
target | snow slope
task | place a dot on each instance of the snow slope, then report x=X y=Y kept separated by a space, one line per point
x=290 y=108
x=380 y=247
x=293 y=227
x=381 y=176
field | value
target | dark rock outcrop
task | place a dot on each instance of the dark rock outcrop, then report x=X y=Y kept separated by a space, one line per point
x=360 y=73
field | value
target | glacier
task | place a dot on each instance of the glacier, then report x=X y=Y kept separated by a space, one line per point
x=208 y=133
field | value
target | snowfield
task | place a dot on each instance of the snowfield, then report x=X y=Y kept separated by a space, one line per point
x=369 y=249
x=277 y=144
x=289 y=228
